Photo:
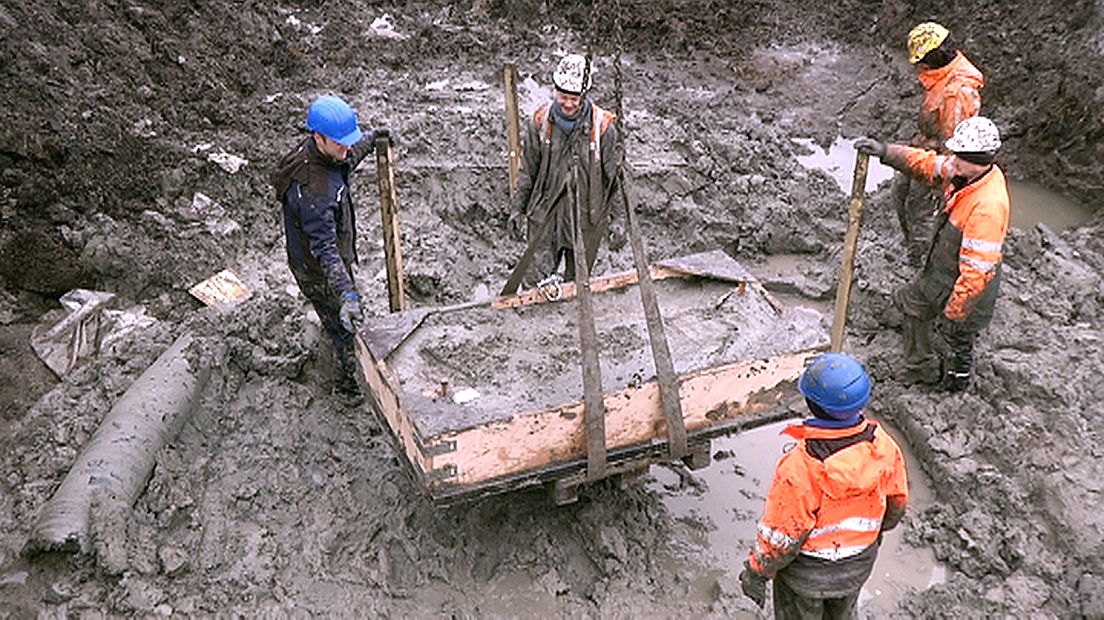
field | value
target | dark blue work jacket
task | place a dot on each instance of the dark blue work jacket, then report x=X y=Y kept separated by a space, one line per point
x=319 y=219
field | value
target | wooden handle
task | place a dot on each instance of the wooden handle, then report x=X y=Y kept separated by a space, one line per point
x=392 y=239
x=850 y=243
x=513 y=126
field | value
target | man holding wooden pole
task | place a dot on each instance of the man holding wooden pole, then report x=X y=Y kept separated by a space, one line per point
x=312 y=183
x=960 y=280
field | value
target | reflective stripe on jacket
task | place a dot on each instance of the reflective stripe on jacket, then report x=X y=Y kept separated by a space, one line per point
x=831 y=497
x=979 y=212
x=952 y=94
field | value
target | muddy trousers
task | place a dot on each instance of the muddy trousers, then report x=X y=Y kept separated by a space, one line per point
x=789 y=605
x=548 y=266
x=914 y=203
x=328 y=308
x=568 y=255
x=922 y=310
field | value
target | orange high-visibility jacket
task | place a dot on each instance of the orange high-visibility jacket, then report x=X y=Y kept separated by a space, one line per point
x=952 y=94
x=832 y=495
x=980 y=212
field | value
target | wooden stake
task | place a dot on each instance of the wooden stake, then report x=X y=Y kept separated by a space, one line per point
x=513 y=129
x=850 y=243
x=389 y=209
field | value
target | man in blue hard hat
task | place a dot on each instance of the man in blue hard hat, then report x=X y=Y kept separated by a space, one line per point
x=830 y=500
x=312 y=183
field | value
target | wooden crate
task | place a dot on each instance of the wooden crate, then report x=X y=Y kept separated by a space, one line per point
x=737 y=352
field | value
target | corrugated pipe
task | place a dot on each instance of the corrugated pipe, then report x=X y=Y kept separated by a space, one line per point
x=115 y=465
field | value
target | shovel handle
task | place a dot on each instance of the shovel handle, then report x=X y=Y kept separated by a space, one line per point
x=850 y=243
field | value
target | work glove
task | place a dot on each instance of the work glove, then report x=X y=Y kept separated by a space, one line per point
x=515 y=225
x=870 y=146
x=753 y=585
x=382 y=132
x=616 y=236
x=350 y=314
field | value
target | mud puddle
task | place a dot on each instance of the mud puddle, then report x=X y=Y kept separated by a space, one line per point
x=1033 y=204
x=725 y=500
x=839 y=163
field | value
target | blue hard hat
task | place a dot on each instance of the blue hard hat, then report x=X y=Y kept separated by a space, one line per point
x=837 y=383
x=333 y=118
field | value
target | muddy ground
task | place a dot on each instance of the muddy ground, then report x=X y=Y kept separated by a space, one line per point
x=276 y=499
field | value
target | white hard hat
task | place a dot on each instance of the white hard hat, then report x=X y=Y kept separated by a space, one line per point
x=569 y=74
x=974 y=135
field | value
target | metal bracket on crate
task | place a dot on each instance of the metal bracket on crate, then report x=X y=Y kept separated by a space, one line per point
x=447 y=471
x=435 y=449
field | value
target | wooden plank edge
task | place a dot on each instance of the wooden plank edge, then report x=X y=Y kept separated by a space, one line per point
x=531 y=440
x=383 y=387
x=619 y=460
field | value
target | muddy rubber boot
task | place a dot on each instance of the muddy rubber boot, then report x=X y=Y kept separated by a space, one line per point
x=926 y=374
x=345 y=382
x=961 y=364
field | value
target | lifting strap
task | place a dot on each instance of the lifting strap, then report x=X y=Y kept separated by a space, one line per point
x=593 y=396
x=657 y=333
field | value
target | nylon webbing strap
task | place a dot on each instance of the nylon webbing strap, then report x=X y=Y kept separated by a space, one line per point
x=657 y=334
x=593 y=404
x=514 y=281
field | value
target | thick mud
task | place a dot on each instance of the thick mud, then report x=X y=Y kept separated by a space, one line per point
x=276 y=499
x=527 y=359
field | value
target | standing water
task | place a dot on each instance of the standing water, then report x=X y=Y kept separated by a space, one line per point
x=839 y=162
x=727 y=498
x=1031 y=203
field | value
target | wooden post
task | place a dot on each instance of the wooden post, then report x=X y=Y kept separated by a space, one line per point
x=850 y=242
x=389 y=209
x=513 y=129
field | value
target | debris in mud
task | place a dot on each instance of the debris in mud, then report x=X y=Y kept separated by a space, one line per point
x=58 y=593
x=88 y=329
x=222 y=290
x=228 y=162
x=384 y=27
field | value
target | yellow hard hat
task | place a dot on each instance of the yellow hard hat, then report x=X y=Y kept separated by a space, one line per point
x=924 y=38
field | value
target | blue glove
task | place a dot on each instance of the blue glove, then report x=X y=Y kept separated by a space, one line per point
x=350 y=314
